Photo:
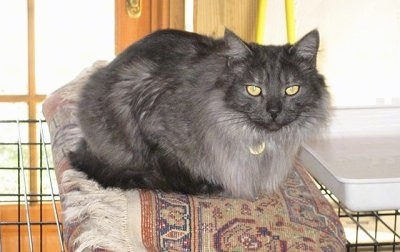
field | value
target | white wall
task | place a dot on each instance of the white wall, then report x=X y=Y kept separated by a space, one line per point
x=360 y=46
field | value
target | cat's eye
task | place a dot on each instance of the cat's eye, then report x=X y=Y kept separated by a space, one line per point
x=292 y=90
x=253 y=90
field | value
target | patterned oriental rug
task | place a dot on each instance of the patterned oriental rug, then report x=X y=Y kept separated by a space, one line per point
x=290 y=220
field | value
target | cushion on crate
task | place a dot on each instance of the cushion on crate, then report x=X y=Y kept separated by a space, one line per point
x=295 y=218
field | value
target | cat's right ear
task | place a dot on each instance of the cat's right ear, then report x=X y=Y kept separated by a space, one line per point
x=307 y=47
x=235 y=47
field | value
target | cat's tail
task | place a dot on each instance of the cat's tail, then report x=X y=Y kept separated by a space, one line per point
x=129 y=177
x=83 y=159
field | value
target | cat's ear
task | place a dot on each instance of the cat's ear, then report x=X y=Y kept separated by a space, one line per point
x=236 y=48
x=307 y=47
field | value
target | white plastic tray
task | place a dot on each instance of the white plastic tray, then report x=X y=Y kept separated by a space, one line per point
x=360 y=160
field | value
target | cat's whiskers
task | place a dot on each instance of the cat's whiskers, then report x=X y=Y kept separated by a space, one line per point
x=231 y=118
x=314 y=114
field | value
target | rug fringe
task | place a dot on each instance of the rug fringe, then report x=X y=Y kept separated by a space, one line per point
x=101 y=214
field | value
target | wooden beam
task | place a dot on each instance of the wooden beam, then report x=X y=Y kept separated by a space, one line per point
x=177 y=14
x=212 y=16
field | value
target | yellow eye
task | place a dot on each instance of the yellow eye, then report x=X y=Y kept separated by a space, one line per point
x=253 y=90
x=292 y=90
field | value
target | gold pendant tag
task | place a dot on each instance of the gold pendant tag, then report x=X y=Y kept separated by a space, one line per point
x=258 y=149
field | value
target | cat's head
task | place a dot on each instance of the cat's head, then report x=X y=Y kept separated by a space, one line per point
x=275 y=86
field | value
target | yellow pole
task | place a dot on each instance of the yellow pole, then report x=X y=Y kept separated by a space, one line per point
x=290 y=21
x=261 y=21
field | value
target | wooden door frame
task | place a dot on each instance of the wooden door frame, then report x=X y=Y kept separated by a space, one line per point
x=154 y=15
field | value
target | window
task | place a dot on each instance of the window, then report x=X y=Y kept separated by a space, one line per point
x=45 y=44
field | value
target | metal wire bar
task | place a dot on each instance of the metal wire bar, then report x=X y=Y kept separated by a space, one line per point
x=51 y=185
x=30 y=215
x=22 y=168
x=395 y=226
x=393 y=231
x=355 y=217
x=359 y=226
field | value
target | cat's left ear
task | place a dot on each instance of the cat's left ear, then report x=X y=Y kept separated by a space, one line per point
x=307 y=47
x=236 y=48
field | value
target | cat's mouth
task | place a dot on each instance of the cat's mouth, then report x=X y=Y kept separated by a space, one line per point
x=273 y=126
x=270 y=126
x=276 y=125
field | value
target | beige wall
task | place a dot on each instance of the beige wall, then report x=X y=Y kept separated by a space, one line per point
x=360 y=46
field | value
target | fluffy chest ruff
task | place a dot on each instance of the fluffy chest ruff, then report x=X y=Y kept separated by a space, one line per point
x=247 y=164
x=245 y=160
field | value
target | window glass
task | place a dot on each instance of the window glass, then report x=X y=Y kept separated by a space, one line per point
x=70 y=36
x=14 y=48
x=13 y=155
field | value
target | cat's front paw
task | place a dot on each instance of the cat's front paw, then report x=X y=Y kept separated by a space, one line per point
x=75 y=159
x=210 y=189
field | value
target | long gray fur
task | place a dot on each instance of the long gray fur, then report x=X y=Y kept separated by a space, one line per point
x=171 y=113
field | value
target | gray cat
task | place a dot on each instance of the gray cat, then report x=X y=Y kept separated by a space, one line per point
x=182 y=112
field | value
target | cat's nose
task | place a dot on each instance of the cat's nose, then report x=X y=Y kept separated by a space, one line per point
x=274 y=107
x=274 y=113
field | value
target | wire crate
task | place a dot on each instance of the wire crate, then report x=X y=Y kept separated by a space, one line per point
x=30 y=213
x=367 y=231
